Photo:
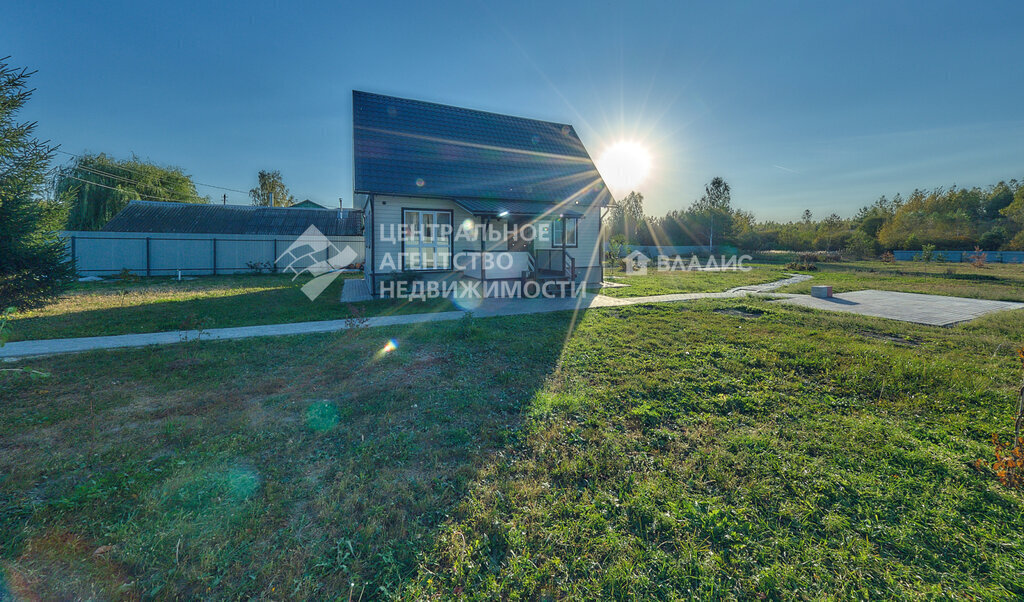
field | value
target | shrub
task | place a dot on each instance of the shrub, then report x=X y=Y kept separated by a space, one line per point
x=888 y=257
x=805 y=262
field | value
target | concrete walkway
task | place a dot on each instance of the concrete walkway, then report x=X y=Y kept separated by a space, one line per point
x=933 y=310
x=488 y=308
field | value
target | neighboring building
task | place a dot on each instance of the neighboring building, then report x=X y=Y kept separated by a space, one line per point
x=161 y=239
x=193 y=218
x=307 y=204
x=419 y=164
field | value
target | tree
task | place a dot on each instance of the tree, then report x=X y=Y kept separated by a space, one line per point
x=33 y=266
x=628 y=214
x=714 y=211
x=271 y=191
x=829 y=226
x=99 y=186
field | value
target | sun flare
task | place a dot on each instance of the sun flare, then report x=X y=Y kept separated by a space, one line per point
x=625 y=165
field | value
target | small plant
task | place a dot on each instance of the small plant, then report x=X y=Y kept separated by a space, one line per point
x=190 y=347
x=615 y=244
x=888 y=257
x=927 y=254
x=127 y=276
x=258 y=267
x=978 y=258
x=1009 y=463
x=357 y=319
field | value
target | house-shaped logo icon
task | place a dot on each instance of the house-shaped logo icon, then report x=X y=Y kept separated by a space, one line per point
x=636 y=263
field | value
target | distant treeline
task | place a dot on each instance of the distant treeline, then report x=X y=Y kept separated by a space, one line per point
x=991 y=218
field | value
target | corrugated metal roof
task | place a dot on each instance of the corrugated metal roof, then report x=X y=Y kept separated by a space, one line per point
x=414 y=148
x=190 y=218
x=494 y=207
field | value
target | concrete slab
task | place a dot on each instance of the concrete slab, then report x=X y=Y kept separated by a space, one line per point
x=934 y=310
x=355 y=289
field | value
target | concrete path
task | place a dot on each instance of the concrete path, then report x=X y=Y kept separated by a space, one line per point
x=355 y=290
x=934 y=310
x=487 y=308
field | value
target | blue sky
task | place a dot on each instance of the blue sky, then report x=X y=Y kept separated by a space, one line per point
x=798 y=105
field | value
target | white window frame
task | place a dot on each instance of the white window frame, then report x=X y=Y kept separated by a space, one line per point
x=558 y=233
x=424 y=247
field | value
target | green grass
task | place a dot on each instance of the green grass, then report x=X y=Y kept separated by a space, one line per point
x=654 y=451
x=669 y=282
x=115 y=307
x=163 y=304
x=1000 y=282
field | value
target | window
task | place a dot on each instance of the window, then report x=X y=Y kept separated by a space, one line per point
x=563 y=232
x=427 y=242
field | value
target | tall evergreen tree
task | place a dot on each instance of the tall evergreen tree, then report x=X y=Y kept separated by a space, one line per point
x=33 y=266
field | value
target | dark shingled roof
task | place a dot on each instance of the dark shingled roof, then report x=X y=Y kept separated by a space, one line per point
x=413 y=148
x=189 y=218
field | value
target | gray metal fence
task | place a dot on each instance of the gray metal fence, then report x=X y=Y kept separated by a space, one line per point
x=161 y=254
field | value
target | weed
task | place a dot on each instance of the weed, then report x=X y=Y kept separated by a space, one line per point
x=190 y=345
x=1009 y=463
x=258 y=267
x=126 y=276
x=357 y=318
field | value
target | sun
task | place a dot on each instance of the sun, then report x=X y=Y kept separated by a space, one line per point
x=625 y=165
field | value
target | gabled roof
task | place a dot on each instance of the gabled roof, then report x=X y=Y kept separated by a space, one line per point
x=307 y=204
x=413 y=148
x=190 y=218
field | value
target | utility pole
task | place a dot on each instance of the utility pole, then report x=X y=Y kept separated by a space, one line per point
x=225 y=198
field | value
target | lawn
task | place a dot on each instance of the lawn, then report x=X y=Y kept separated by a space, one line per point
x=163 y=304
x=714 y=449
x=669 y=282
x=115 y=306
x=1000 y=282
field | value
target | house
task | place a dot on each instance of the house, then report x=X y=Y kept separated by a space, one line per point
x=430 y=176
x=196 y=218
x=307 y=204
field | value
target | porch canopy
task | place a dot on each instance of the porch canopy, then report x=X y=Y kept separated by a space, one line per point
x=502 y=208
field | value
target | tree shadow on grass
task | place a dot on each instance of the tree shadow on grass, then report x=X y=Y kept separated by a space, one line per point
x=269 y=467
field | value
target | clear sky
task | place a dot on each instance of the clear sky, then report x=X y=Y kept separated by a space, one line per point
x=798 y=105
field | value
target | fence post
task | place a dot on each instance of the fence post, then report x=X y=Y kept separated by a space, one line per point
x=214 y=256
x=275 y=255
x=148 y=271
x=73 y=252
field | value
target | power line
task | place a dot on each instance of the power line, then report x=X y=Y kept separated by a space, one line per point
x=157 y=198
x=139 y=172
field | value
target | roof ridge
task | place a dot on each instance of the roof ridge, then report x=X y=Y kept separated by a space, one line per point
x=458 y=108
